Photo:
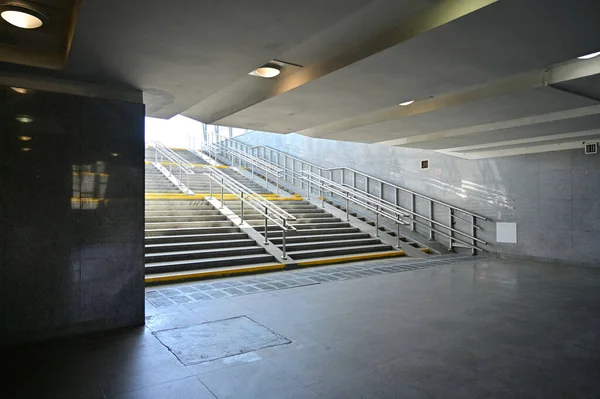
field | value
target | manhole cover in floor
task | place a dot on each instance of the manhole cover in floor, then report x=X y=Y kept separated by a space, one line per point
x=218 y=339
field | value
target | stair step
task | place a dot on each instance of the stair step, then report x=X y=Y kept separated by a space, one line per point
x=193 y=230
x=319 y=238
x=176 y=225
x=202 y=254
x=314 y=253
x=184 y=238
x=197 y=245
x=330 y=244
x=191 y=275
x=184 y=218
x=173 y=266
x=309 y=226
x=273 y=233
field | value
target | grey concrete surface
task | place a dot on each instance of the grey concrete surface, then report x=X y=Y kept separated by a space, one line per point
x=553 y=197
x=483 y=328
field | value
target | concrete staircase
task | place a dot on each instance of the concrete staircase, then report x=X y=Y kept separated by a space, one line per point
x=184 y=236
x=319 y=234
x=157 y=182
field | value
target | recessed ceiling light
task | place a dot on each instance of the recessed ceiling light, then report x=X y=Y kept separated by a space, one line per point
x=588 y=56
x=404 y=104
x=114 y=154
x=22 y=17
x=20 y=90
x=26 y=149
x=268 y=71
x=24 y=118
x=24 y=138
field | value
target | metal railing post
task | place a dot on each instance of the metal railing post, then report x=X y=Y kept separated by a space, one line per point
x=322 y=196
x=431 y=222
x=222 y=202
x=450 y=232
x=277 y=181
x=412 y=216
x=347 y=209
x=252 y=170
x=267 y=178
x=266 y=227
x=377 y=221
x=398 y=232
x=283 y=240
x=242 y=205
x=308 y=188
x=474 y=234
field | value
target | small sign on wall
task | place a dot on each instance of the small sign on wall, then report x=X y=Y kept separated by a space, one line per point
x=506 y=232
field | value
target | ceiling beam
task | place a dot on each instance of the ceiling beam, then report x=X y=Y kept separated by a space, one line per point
x=431 y=18
x=526 y=81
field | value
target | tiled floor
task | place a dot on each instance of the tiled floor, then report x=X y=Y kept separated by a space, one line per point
x=480 y=328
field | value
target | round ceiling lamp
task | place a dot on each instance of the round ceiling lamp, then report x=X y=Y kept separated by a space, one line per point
x=22 y=16
x=268 y=71
x=404 y=104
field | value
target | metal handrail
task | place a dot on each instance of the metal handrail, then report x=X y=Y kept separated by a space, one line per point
x=174 y=159
x=380 y=207
x=264 y=207
x=295 y=172
x=173 y=155
x=248 y=159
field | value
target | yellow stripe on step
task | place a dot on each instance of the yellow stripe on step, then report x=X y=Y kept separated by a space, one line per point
x=150 y=279
x=352 y=258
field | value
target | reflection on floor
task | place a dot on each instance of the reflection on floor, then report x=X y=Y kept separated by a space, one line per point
x=479 y=328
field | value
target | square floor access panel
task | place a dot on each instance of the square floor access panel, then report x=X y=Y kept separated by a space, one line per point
x=218 y=339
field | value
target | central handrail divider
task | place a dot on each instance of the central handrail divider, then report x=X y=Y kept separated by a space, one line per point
x=184 y=166
x=293 y=167
x=264 y=207
x=267 y=167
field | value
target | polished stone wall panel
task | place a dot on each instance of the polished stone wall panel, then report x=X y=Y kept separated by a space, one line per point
x=71 y=241
x=553 y=197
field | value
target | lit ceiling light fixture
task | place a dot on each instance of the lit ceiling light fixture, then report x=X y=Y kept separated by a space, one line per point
x=26 y=149
x=22 y=16
x=588 y=56
x=20 y=90
x=404 y=104
x=24 y=118
x=268 y=71
x=114 y=154
x=24 y=138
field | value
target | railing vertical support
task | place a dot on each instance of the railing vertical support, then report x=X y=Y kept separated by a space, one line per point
x=398 y=232
x=474 y=234
x=222 y=202
x=242 y=206
x=377 y=222
x=277 y=182
x=284 y=256
x=322 y=197
x=308 y=188
x=267 y=178
x=266 y=227
x=347 y=209
x=431 y=237
x=412 y=208
x=450 y=232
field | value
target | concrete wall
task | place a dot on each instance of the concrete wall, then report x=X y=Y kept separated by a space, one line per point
x=553 y=197
x=71 y=215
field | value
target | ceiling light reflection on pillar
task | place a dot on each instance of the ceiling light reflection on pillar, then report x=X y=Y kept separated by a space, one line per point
x=22 y=17
x=589 y=56
x=24 y=138
x=20 y=90
x=26 y=149
x=24 y=118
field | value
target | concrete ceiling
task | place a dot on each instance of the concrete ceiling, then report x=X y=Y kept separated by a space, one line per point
x=490 y=77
